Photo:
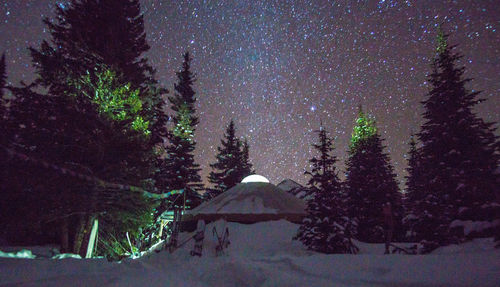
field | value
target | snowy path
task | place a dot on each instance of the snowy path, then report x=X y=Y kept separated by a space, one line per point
x=263 y=255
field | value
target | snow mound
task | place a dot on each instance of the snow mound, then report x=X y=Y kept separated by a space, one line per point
x=470 y=226
x=264 y=254
x=26 y=254
x=66 y=255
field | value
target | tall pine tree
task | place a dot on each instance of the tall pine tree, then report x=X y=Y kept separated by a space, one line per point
x=459 y=155
x=412 y=193
x=3 y=76
x=326 y=228
x=370 y=181
x=81 y=133
x=232 y=163
x=3 y=139
x=96 y=48
x=87 y=34
x=246 y=165
x=180 y=169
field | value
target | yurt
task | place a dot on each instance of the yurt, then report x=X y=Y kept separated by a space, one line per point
x=253 y=200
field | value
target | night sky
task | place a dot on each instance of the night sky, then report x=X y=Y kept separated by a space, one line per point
x=279 y=67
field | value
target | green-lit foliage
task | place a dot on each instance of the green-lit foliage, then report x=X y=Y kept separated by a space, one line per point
x=119 y=102
x=365 y=128
x=442 y=43
x=183 y=128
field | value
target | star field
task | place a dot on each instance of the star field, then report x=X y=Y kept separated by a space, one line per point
x=279 y=67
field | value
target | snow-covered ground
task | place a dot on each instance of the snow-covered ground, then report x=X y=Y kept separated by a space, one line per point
x=263 y=254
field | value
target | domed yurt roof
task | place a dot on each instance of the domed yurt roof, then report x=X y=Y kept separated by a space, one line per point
x=251 y=201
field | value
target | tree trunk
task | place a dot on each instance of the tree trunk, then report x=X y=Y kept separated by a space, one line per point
x=86 y=235
x=92 y=238
x=80 y=232
x=64 y=236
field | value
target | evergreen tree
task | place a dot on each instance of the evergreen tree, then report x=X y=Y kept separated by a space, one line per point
x=412 y=177
x=232 y=163
x=370 y=181
x=246 y=165
x=85 y=36
x=3 y=108
x=89 y=40
x=459 y=155
x=94 y=132
x=326 y=227
x=180 y=169
x=3 y=77
x=86 y=33
x=413 y=192
x=4 y=138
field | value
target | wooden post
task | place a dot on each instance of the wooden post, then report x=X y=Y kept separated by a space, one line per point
x=184 y=207
x=92 y=239
x=161 y=229
x=130 y=244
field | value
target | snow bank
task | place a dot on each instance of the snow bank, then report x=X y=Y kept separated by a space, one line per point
x=470 y=226
x=19 y=254
x=45 y=251
x=66 y=256
x=263 y=254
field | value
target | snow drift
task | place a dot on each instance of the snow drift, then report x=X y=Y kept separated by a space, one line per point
x=263 y=254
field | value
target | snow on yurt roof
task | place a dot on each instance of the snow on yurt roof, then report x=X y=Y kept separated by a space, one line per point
x=255 y=178
x=252 y=198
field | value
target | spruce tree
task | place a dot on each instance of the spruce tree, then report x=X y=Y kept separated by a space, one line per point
x=85 y=33
x=3 y=108
x=370 y=181
x=246 y=165
x=413 y=192
x=459 y=155
x=180 y=169
x=90 y=38
x=3 y=141
x=3 y=78
x=85 y=134
x=326 y=228
x=232 y=163
x=412 y=177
